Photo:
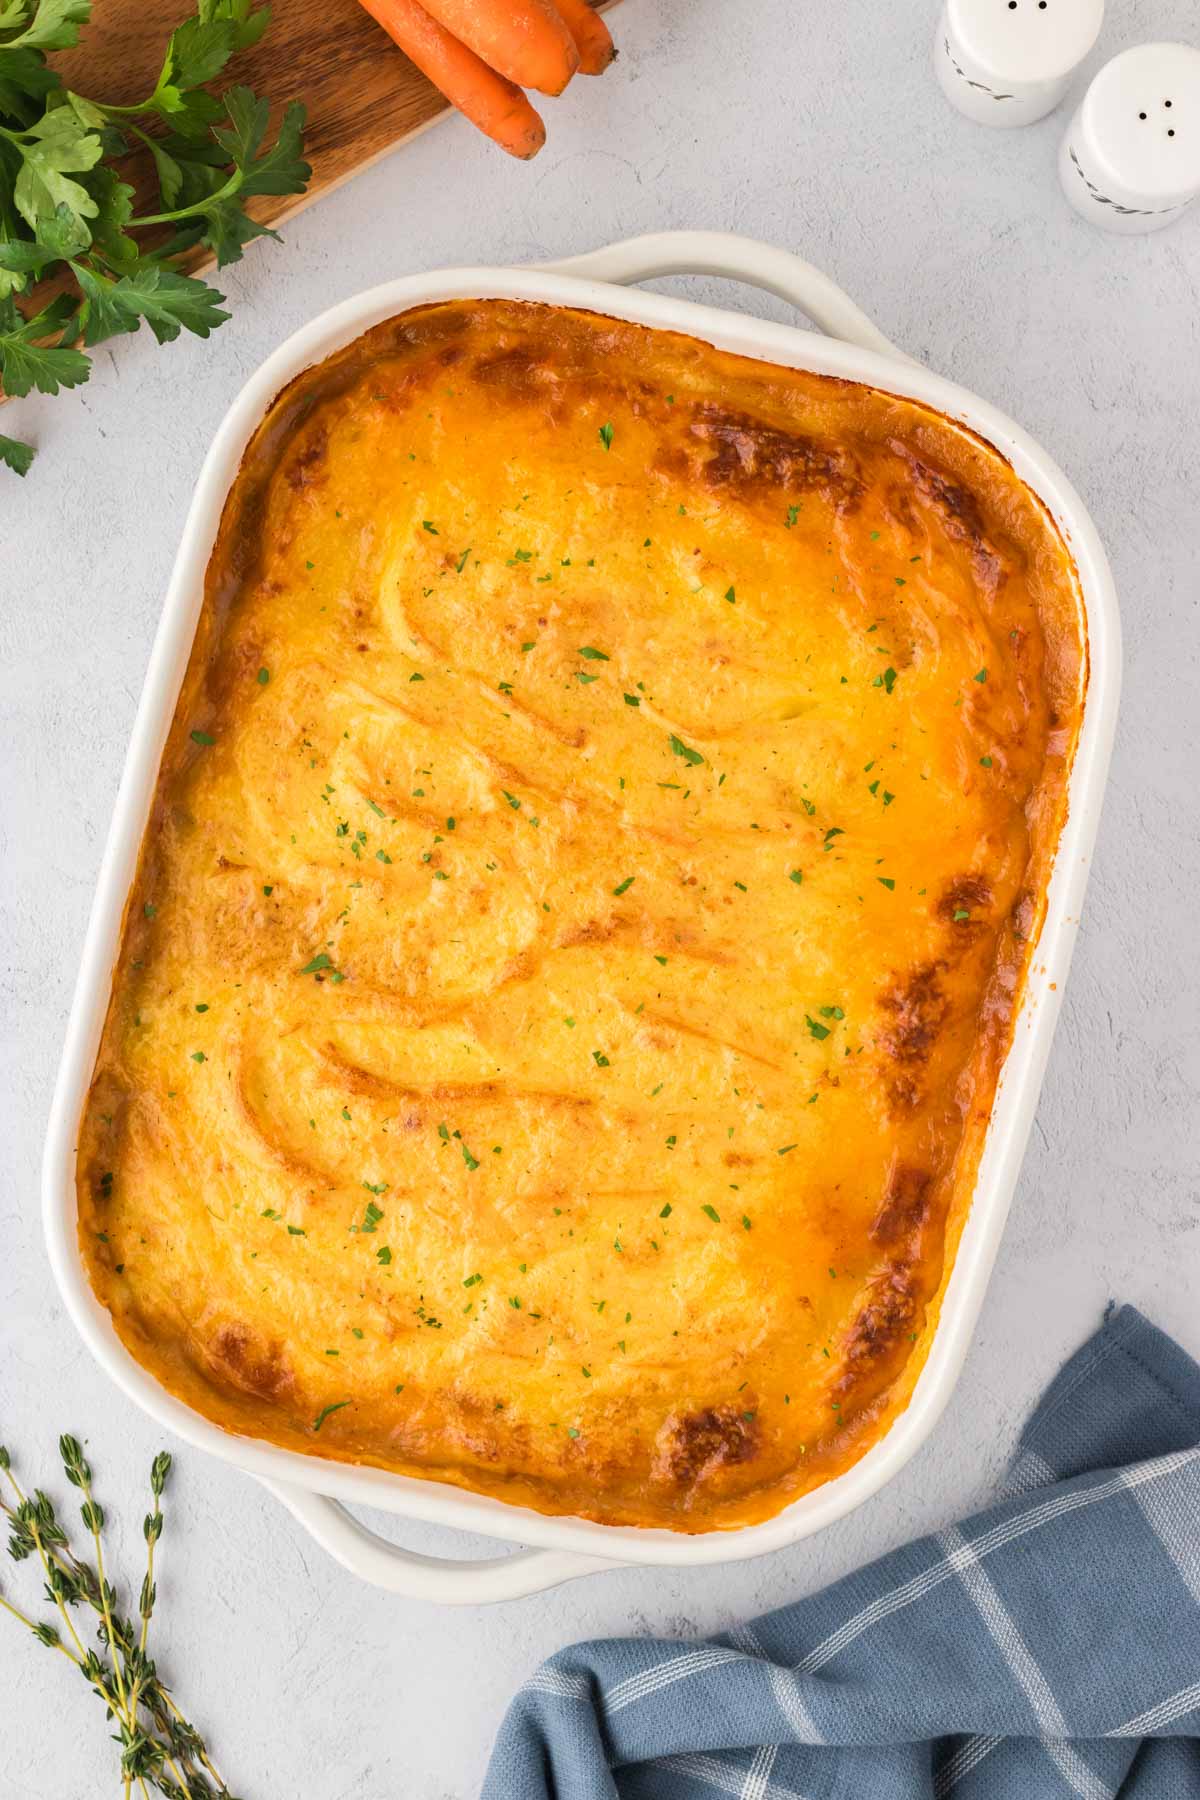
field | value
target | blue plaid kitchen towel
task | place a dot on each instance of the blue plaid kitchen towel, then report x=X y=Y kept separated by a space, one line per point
x=1047 y=1649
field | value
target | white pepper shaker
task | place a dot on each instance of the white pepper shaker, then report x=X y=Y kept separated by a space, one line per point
x=1131 y=158
x=1008 y=62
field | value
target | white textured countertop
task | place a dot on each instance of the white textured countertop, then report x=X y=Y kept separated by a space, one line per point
x=820 y=130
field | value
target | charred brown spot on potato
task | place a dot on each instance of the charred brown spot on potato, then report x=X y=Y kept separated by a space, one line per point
x=250 y=1364
x=1023 y=914
x=917 y=1008
x=691 y=1446
x=746 y=455
x=960 y=513
x=879 y=1337
x=964 y=905
x=305 y=466
x=518 y=369
x=966 y=893
x=905 y=1204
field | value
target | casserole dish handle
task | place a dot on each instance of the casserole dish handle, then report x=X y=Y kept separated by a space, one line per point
x=448 y=1582
x=738 y=258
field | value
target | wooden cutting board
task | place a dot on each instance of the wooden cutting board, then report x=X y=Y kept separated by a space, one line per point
x=362 y=94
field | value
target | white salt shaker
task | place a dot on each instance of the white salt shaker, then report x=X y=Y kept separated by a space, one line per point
x=1131 y=158
x=1008 y=62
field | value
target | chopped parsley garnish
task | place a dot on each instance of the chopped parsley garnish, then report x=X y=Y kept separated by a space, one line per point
x=815 y=1028
x=430 y=527
x=886 y=681
x=472 y=1162
x=632 y=700
x=797 y=875
x=592 y=654
x=885 y=881
x=600 y=1060
x=681 y=749
x=264 y=675
x=325 y=1412
x=985 y=762
x=981 y=676
x=202 y=737
x=606 y=436
x=731 y=595
x=472 y=1280
x=712 y=1212
x=383 y=1254
x=461 y=564
x=960 y=913
x=320 y=961
x=625 y=885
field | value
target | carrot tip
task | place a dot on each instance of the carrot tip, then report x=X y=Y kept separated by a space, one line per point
x=601 y=62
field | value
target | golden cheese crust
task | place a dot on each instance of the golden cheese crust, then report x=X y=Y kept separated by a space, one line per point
x=594 y=867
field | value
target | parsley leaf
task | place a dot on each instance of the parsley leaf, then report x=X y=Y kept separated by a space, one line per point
x=15 y=455
x=26 y=363
x=325 y=1412
x=168 y=302
x=50 y=25
x=53 y=150
x=681 y=749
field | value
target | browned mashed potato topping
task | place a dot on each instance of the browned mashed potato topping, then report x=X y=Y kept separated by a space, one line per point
x=594 y=867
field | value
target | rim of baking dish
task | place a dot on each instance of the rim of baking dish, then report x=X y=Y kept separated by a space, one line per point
x=1017 y=1092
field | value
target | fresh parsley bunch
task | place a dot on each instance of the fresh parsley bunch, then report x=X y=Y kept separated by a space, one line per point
x=67 y=218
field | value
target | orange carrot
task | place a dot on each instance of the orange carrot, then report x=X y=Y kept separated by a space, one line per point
x=592 y=38
x=524 y=40
x=495 y=105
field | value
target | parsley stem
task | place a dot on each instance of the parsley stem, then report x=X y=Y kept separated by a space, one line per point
x=141 y=106
x=231 y=187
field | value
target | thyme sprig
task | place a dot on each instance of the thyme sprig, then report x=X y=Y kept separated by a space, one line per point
x=160 y=1748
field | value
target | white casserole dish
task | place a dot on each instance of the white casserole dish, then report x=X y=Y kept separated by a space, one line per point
x=314 y=1489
